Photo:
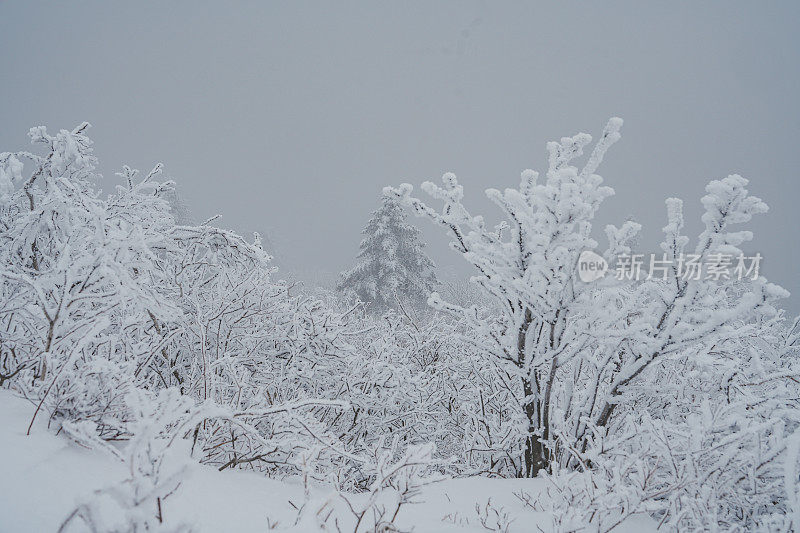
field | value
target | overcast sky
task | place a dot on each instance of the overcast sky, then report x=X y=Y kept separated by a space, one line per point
x=290 y=118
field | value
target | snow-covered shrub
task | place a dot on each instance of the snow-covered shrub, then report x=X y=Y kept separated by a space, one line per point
x=588 y=362
x=397 y=476
x=102 y=297
x=418 y=379
x=492 y=518
x=137 y=503
x=396 y=480
x=461 y=292
x=714 y=435
x=74 y=269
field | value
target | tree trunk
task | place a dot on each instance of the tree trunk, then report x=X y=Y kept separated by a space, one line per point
x=535 y=454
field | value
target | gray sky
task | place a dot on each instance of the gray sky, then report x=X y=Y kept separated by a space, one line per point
x=291 y=117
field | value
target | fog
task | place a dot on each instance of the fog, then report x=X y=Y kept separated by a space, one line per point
x=289 y=119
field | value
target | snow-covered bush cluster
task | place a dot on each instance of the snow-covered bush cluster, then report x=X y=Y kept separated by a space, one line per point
x=144 y=337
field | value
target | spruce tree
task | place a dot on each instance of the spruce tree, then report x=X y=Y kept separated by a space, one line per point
x=391 y=263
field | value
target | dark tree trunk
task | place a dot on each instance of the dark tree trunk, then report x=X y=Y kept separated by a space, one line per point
x=535 y=456
x=535 y=453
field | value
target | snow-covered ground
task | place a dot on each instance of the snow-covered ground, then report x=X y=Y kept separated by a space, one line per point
x=45 y=475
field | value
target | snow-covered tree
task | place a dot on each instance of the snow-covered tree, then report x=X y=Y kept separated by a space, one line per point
x=391 y=264
x=579 y=351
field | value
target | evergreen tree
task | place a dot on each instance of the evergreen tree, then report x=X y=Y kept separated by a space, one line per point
x=391 y=263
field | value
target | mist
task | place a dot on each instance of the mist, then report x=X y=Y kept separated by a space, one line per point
x=289 y=119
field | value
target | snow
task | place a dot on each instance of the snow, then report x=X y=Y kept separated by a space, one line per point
x=44 y=469
x=148 y=339
x=49 y=474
